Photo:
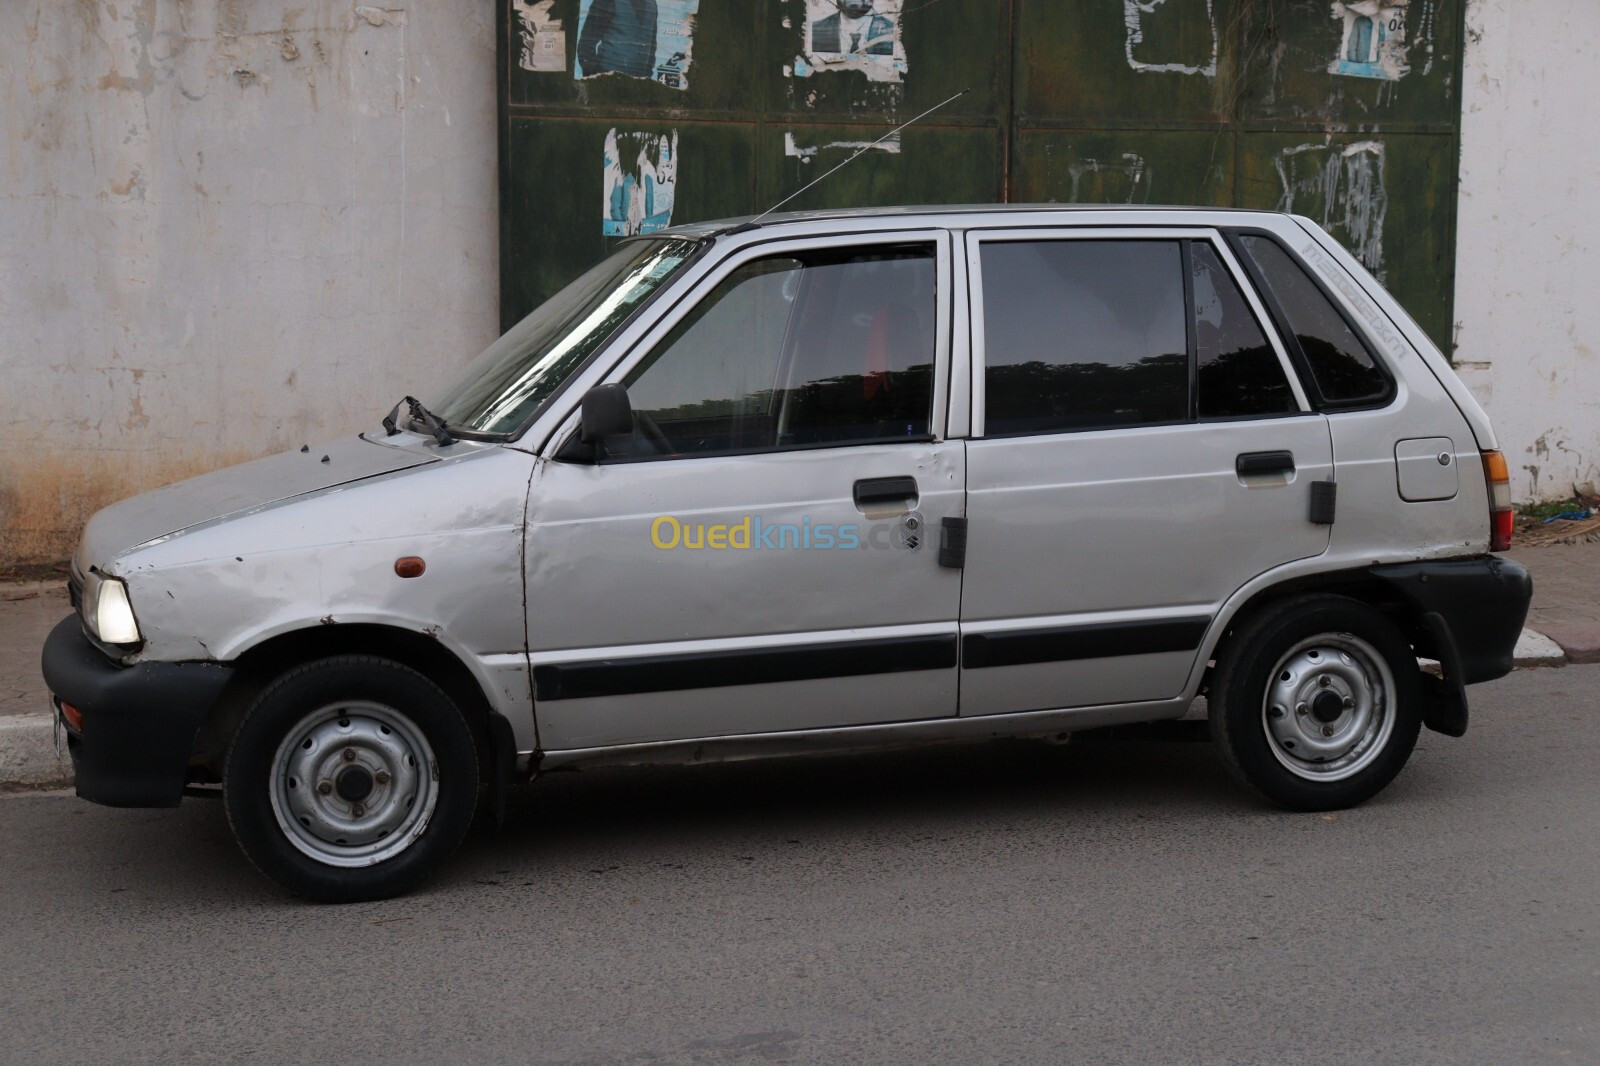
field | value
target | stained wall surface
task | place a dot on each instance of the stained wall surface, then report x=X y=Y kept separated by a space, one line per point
x=226 y=229
x=1528 y=261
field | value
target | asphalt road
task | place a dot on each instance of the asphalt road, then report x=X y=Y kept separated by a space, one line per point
x=1111 y=901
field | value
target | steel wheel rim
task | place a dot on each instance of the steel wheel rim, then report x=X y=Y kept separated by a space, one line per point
x=1328 y=710
x=353 y=784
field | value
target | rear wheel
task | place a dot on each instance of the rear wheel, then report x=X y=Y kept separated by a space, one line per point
x=1316 y=703
x=351 y=778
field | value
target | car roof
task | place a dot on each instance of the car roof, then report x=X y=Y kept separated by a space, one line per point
x=699 y=230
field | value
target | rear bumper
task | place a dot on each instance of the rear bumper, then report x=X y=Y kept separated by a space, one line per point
x=139 y=722
x=1481 y=604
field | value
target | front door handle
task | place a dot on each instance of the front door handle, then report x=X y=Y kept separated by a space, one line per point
x=1250 y=464
x=877 y=492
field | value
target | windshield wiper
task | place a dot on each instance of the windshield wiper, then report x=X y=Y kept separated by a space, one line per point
x=421 y=414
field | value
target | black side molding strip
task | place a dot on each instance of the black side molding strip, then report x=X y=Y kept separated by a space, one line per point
x=744 y=666
x=1064 y=643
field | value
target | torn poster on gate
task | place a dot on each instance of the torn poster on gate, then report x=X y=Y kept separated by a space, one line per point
x=1374 y=41
x=641 y=182
x=650 y=39
x=544 y=42
x=859 y=35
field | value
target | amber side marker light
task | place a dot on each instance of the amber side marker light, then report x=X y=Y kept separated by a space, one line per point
x=73 y=716
x=1501 y=516
x=410 y=566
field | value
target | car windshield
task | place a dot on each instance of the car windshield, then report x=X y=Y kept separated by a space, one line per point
x=505 y=386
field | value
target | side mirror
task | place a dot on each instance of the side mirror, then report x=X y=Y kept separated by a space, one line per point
x=606 y=413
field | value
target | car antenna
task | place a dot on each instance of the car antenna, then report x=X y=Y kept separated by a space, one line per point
x=755 y=222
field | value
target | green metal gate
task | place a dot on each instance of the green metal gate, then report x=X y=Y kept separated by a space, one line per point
x=619 y=116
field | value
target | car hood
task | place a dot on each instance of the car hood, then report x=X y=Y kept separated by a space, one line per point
x=161 y=513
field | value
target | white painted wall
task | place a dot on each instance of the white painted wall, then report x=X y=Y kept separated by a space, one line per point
x=227 y=228
x=1528 y=245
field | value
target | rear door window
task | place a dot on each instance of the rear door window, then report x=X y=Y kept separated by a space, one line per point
x=1083 y=334
x=1237 y=373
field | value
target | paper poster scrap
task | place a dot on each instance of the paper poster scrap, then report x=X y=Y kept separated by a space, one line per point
x=1341 y=187
x=1162 y=36
x=1374 y=40
x=544 y=42
x=859 y=35
x=650 y=39
x=641 y=182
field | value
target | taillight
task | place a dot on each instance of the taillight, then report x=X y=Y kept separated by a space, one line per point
x=1501 y=516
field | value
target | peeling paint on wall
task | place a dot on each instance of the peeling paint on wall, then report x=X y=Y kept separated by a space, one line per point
x=1526 y=263
x=1125 y=181
x=860 y=35
x=650 y=39
x=544 y=41
x=1373 y=44
x=1156 y=41
x=1341 y=188
x=641 y=182
x=806 y=153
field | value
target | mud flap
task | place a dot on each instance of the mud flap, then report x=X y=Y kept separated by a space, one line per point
x=1446 y=708
x=503 y=759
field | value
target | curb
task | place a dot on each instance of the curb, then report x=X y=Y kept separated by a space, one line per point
x=28 y=754
x=1536 y=649
x=28 y=757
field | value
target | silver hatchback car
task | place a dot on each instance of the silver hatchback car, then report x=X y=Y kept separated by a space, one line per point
x=824 y=482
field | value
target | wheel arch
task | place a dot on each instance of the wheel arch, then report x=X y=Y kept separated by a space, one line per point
x=1356 y=583
x=260 y=664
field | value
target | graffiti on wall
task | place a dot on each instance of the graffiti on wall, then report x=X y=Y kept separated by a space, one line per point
x=640 y=182
x=1341 y=188
x=861 y=35
x=1161 y=36
x=650 y=39
x=544 y=42
x=1373 y=44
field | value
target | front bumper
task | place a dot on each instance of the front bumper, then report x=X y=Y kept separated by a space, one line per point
x=139 y=722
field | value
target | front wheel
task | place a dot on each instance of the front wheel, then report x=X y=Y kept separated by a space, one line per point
x=1316 y=703
x=351 y=778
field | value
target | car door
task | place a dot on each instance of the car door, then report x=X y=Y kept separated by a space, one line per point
x=754 y=557
x=1141 y=449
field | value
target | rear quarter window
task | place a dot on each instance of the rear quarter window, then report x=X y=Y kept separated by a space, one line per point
x=1343 y=370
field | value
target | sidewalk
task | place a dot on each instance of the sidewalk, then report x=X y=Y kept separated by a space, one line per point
x=27 y=748
x=1563 y=627
x=1566 y=597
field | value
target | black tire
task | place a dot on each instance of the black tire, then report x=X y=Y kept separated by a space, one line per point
x=1287 y=708
x=310 y=743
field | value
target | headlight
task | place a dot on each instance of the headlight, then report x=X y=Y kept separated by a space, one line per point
x=107 y=610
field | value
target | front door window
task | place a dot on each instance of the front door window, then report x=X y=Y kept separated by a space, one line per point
x=819 y=349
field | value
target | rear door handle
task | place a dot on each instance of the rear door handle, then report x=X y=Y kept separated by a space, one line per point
x=875 y=492
x=1256 y=463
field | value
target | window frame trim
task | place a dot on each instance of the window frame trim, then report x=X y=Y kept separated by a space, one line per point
x=975 y=239
x=1231 y=236
x=623 y=360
